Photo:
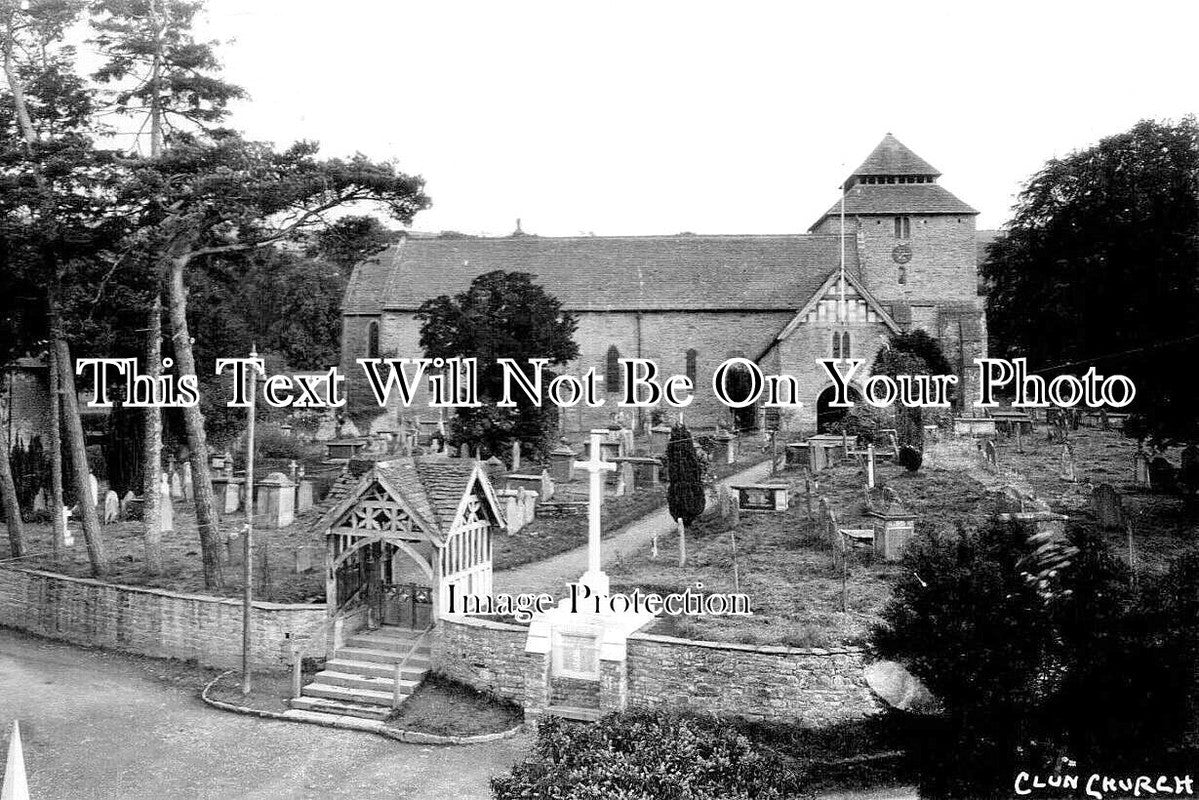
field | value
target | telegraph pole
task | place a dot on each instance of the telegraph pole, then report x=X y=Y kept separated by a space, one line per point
x=247 y=558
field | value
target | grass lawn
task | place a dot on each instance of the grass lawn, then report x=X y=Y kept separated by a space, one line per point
x=548 y=537
x=181 y=556
x=788 y=570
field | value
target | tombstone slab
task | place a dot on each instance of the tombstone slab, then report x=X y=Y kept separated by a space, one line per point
x=112 y=507
x=1107 y=506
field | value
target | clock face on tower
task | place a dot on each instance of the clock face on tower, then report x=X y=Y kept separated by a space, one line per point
x=901 y=254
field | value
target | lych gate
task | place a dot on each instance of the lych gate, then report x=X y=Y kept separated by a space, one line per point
x=409 y=530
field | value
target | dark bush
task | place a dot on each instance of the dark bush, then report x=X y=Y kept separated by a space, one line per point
x=909 y=458
x=645 y=755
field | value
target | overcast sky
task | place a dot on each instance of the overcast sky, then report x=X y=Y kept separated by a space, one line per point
x=662 y=117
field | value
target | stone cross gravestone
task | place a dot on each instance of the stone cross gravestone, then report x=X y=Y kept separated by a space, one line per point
x=112 y=507
x=1107 y=506
x=595 y=578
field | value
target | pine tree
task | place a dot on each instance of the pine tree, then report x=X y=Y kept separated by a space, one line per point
x=685 y=495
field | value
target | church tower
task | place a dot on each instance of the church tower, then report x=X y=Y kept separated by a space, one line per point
x=916 y=247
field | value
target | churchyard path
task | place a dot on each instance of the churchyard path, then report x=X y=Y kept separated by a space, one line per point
x=552 y=574
x=101 y=726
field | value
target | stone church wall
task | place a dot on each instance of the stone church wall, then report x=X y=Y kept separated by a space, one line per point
x=152 y=622
x=487 y=655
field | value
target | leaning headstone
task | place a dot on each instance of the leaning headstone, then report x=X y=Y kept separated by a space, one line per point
x=94 y=486
x=112 y=507
x=1107 y=506
x=185 y=478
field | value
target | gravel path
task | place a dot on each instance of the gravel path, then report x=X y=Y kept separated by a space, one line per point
x=552 y=574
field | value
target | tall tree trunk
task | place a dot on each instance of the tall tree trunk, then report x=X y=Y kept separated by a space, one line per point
x=8 y=500
x=193 y=420
x=55 y=450
x=152 y=445
x=76 y=446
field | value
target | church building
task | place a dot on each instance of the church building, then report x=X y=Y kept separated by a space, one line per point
x=689 y=302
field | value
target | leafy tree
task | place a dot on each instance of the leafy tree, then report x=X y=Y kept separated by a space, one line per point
x=501 y=315
x=51 y=219
x=911 y=353
x=1036 y=658
x=1097 y=268
x=164 y=80
x=646 y=755
x=350 y=240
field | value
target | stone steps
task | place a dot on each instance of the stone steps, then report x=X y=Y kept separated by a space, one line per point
x=378 y=656
x=337 y=708
x=414 y=670
x=352 y=680
x=348 y=694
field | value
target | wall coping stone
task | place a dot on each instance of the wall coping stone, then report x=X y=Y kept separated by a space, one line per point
x=766 y=649
x=208 y=598
x=475 y=622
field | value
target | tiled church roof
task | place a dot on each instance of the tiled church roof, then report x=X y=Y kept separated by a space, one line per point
x=590 y=273
x=892 y=157
x=899 y=198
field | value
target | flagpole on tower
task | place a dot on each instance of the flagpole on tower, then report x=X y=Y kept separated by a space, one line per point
x=841 y=315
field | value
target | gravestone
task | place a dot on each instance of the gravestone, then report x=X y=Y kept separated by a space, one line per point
x=516 y=455
x=232 y=495
x=1162 y=474
x=126 y=501
x=176 y=485
x=166 y=511
x=659 y=435
x=65 y=534
x=561 y=463
x=826 y=524
x=990 y=455
x=39 y=502
x=185 y=478
x=1140 y=469
x=112 y=507
x=93 y=486
x=1107 y=506
x=304 y=492
x=625 y=481
x=1067 y=458
x=870 y=465
x=276 y=501
x=767 y=497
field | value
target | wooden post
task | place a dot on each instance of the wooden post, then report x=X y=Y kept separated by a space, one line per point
x=682 y=544
x=395 y=689
x=297 y=675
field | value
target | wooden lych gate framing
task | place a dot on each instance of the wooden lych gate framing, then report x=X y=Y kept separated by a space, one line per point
x=409 y=530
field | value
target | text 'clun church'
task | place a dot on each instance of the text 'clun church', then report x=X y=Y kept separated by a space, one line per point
x=690 y=302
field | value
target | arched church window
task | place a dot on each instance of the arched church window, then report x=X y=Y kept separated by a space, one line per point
x=612 y=371
x=845 y=351
x=692 y=355
x=836 y=344
x=372 y=339
x=903 y=227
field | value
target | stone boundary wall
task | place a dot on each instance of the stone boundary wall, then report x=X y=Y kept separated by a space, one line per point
x=817 y=686
x=152 y=622
x=814 y=686
x=485 y=654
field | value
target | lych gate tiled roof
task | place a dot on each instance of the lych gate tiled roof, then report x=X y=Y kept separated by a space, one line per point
x=591 y=273
x=899 y=198
x=892 y=157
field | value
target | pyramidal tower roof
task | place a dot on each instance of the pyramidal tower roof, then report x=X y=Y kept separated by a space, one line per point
x=892 y=157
